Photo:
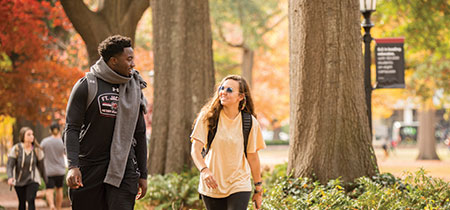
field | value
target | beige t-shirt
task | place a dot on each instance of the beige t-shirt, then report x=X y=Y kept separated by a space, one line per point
x=226 y=158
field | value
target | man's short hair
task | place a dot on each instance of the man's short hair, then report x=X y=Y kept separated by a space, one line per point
x=112 y=46
x=54 y=125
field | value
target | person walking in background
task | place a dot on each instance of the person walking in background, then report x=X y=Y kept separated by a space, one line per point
x=55 y=166
x=25 y=168
x=105 y=140
x=226 y=169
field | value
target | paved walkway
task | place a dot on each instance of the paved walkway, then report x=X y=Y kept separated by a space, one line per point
x=8 y=199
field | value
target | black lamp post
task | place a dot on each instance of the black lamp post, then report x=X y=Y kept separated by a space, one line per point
x=366 y=8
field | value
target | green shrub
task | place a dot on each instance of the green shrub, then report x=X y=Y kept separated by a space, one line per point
x=172 y=191
x=277 y=142
x=383 y=192
x=415 y=191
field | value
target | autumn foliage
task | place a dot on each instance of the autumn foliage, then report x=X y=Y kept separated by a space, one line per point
x=34 y=81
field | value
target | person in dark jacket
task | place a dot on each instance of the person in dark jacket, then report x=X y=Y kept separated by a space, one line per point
x=105 y=139
x=25 y=168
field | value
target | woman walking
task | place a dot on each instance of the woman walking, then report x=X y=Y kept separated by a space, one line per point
x=25 y=168
x=227 y=167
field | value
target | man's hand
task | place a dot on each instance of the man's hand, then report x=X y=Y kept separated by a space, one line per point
x=143 y=187
x=74 y=178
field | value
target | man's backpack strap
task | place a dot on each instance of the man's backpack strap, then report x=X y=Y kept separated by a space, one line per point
x=246 y=127
x=92 y=88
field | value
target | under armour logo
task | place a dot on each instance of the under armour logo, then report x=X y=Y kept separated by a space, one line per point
x=114 y=89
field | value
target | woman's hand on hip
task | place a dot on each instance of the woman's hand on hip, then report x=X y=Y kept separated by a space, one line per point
x=208 y=178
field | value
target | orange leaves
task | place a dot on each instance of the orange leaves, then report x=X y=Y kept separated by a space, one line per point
x=21 y=28
x=46 y=89
x=34 y=82
x=271 y=79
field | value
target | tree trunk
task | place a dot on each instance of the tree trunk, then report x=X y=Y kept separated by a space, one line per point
x=276 y=129
x=247 y=64
x=426 y=138
x=329 y=130
x=2 y=152
x=113 y=17
x=184 y=79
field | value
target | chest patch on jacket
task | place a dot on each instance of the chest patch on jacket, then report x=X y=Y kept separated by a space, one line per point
x=108 y=104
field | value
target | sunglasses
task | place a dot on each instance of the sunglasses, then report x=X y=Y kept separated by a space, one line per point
x=228 y=89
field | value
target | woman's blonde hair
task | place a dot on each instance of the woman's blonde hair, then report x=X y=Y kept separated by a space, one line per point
x=213 y=107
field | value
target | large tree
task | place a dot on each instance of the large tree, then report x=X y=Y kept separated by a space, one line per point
x=112 y=17
x=329 y=131
x=184 y=79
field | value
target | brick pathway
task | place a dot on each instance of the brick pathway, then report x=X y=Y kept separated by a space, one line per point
x=8 y=199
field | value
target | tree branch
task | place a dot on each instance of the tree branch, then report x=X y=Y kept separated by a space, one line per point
x=274 y=25
x=135 y=11
x=224 y=40
x=78 y=13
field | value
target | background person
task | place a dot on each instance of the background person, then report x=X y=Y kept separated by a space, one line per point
x=25 y=168
x=55 y=166
x=225 y=172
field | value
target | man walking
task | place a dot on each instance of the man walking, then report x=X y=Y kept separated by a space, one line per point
x=55 y=166
x=105 y=137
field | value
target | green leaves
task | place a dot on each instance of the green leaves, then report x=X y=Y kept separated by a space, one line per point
x=172 y=191
x=246 y=21
x=384 y=191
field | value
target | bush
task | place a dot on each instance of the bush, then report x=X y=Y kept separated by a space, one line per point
x=415 y=191
x=385 y=191
x=172 y=191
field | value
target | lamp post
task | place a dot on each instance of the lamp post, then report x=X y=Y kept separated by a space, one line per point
x=367 y=7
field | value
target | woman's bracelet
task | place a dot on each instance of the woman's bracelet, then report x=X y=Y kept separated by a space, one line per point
x=203 y=169
x=258 y=191
x=258 y=183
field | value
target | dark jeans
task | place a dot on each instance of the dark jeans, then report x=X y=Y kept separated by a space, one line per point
x=96 y=195
x=25 y=194
x=235 y=201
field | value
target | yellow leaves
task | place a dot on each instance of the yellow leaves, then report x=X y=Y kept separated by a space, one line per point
x=6 y=130
x=384 y=101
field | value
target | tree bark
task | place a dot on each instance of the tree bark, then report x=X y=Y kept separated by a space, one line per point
x=247 y=64
x=113 y=17
x=184 y=79
x=276 y=129
x=329 y=130
x=426 y=139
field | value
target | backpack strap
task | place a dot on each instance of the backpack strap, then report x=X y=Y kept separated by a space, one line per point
x=246 y=127
x=211 y=135
x=92 y=88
